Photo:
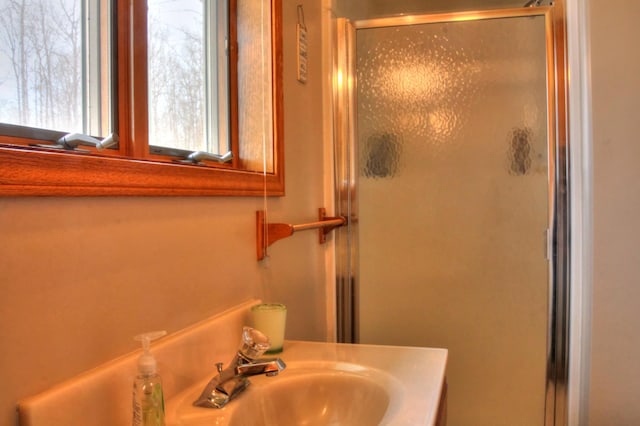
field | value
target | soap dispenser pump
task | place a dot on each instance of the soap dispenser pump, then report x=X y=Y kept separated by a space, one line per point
x=148 y=398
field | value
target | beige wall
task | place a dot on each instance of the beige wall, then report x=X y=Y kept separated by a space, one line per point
x=73 y=271
x=80 y=276
x=615 y=355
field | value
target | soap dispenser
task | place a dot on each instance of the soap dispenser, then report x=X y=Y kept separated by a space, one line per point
x=148 y=399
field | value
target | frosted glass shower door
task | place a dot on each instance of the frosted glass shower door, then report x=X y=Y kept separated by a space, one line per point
x=452 y=200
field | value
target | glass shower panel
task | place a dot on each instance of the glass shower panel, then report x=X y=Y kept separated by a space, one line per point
x=453 y=206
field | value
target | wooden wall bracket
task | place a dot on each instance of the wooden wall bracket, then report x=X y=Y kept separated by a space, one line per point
x=269 y=233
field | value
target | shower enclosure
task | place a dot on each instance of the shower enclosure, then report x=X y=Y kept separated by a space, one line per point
x=450 y=164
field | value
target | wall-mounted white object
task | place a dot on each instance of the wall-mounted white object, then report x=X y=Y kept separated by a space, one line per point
x=301 y=38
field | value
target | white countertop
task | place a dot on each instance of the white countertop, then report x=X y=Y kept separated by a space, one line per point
x=412 y=376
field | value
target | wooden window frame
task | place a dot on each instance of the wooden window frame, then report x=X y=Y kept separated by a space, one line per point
x=29 y=171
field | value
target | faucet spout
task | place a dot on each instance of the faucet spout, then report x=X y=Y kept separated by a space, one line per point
x=269 y=367
x=230 y=382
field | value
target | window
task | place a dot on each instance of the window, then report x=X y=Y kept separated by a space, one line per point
x=188 y=65
x=54 y=66
x=161 y=76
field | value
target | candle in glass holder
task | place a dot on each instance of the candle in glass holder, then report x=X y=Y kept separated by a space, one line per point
x=270 y=319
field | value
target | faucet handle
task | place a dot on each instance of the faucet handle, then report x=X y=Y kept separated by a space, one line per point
x=219 y=367
x=254 y=343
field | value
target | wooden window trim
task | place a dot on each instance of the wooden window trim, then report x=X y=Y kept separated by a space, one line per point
x=28 y=171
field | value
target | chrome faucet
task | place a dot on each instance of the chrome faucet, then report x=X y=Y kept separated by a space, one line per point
x=230 y=382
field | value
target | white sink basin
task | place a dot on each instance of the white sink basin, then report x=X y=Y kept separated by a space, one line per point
x=310 y=396
x=330 y=384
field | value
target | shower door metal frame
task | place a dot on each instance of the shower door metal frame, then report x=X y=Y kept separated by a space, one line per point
x=344 y=118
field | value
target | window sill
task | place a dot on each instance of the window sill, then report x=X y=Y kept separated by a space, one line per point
x=24 y=172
